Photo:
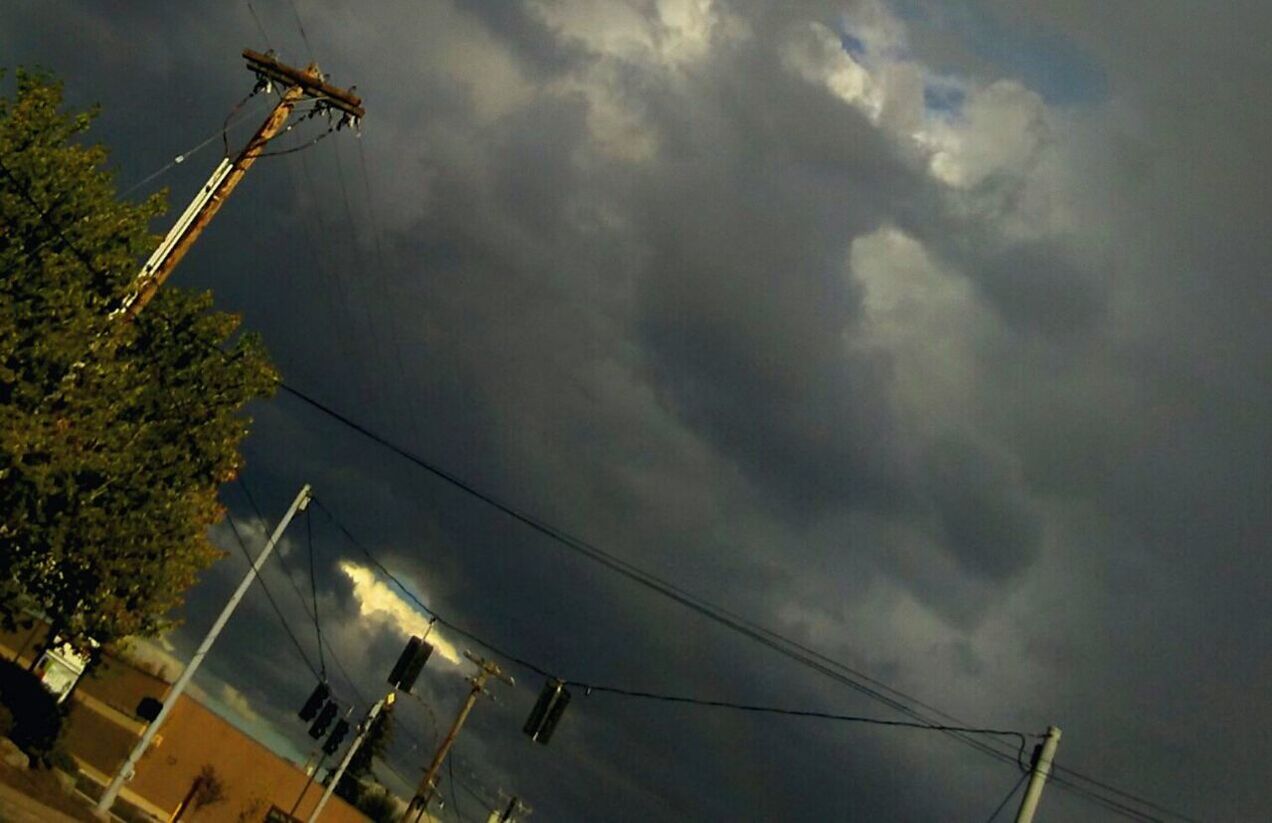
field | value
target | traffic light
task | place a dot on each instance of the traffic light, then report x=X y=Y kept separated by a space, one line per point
x=315 y=701
x=337 y=734
x=410 y=663
x=547 y=711
x=328 y=714
x=148 y=709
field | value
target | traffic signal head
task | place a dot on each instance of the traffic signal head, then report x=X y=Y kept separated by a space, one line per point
x=338 y=733
x=547 y=711
x=148 y=709
x=410 y=663
x=315 y=701
x=328 y=714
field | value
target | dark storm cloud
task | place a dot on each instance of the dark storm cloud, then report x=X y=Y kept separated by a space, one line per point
x=616 y=290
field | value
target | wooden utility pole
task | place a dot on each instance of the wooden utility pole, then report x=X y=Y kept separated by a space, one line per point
x=297 y=86
x=485 y=670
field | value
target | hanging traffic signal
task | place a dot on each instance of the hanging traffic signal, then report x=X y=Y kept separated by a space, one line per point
x=410 y=663
x=337 y=734
x=328 y=714
x=547 y=711
x=315 y=701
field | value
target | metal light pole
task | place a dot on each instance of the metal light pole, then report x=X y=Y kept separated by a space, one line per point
x=387 y=700
x=129 y=766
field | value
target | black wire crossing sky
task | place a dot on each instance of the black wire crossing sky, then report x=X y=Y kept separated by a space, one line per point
x=916 y=336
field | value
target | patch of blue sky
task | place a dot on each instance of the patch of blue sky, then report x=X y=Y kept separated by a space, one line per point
x=852 y=44
x=944 y=96
x=1040 y=58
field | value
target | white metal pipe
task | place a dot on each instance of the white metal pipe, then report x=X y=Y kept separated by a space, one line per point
x=126 y=770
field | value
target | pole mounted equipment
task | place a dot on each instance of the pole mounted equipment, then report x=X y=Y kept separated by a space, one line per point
x=296 y=85
x=547 y=711
x=410 y=663
x=337 y=736
x=323 y=720
x=315 y=702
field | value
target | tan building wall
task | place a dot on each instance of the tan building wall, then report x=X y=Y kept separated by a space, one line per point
x=102 y=727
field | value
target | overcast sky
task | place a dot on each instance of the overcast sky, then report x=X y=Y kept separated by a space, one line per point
x=930 y=335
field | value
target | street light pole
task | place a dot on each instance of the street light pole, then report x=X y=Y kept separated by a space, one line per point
x=130 y=764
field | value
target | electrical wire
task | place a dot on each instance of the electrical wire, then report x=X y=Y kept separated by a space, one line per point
x=1109 y=804
x=792 y=649
x=450 y=766
x=259 y=27
x=1019 y=782
x=1058 y=769
x=758 y=633
x=591 y=687
x=300 y=25
x=1106 y=803
x=181 y=157
x=335 y=659
x=265 y=588
x=307 y=145
x=313 y=589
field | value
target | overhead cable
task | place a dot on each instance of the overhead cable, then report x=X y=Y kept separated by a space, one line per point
x=635 y=693
x=287 y=573
x=238 y=538
x=794 y=650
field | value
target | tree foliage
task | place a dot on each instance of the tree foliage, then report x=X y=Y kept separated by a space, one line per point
x=114 y=435
x=35 y=719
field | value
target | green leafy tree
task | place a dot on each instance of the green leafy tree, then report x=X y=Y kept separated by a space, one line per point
x=114 y=435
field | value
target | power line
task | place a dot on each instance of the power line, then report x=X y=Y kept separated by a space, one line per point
x=340 y=667
x=1019 y=782
x=183 y=156
x=304 y=37
x=1107 y=803
x=777 y=642
x=796 y=651
x=591 y=687
x=1056 y=768
x=450 y=765
x=306 y=145
x=259 y=27
x=313 y=589
x=959 y=732
x=265 y=588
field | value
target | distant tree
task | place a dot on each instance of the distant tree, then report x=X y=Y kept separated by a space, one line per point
x=205 y=790
x=114 y=435
x=353 y=785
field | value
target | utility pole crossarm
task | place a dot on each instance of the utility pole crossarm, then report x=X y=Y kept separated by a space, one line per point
x=486 y=669
x=296 y=85
x=310 y=82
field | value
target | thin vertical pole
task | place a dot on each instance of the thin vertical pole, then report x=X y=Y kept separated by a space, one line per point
x=1038 y=777
x=129 y=766
x=353 y=748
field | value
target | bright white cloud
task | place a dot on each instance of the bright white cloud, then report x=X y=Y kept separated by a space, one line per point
x=378 y=602
x=926 y=319
x=999 y=127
